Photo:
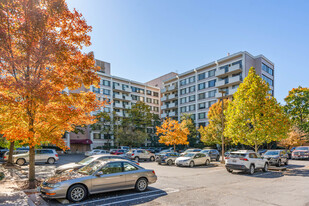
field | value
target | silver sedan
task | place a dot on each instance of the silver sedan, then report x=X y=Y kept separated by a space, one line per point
x=97 y=177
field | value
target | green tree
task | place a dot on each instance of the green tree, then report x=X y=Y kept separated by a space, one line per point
x=189 y=123
x=297 y=107
x=254 y=117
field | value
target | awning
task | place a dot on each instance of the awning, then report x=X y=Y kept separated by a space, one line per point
x=80 y=141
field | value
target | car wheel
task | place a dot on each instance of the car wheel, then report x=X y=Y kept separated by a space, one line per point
x=286 y=162
x=265 y=169
x=152 y=159
x=279 y=163
x=207 y=162
x=218 y=157
x=141 y=184
x=229 y=170
x=51 y=160
x=191 y=164
x=136 y=159
x=159 y=163
x=170 y=162
x=21 y=161
x=77 y=193
x=251 y=170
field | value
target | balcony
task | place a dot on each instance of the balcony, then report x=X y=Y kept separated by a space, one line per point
x=228 y=93
x=229 y=82
x=231 y=70
x=172 y=96
x=127 y=106
x=163 y=90
x=117 y=96
x=119 y=114
x=164 y=98
x=163 y=115
x=172 y=105
x=127 y=89
x=164 y=106
x=127 y=98
x=171 y=88
x=118 y=105
x=172 y=114
x=117 y=87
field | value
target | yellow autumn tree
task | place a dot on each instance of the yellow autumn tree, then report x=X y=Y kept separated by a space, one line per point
x=295 y=138
x=173 y=133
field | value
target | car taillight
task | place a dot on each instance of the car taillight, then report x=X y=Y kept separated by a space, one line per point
x=244 y=159
x=56 y=155
x=227 y=158
x=137 y=163
x=4 y=157
x=153 y=172
x=132 y=154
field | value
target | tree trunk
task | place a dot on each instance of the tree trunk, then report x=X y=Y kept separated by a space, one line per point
x=256 y=148
x=31 y=167
x=174 y=148
x=10 y=159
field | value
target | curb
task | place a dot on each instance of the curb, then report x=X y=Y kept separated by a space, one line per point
x=35 y=198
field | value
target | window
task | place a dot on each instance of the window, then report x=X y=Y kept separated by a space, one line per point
x=211 y=102
x=212 y=83
x=238 y=62
x=268 y=69
x=156 y=94
x=148 y=100
x=192 y=79
x=106 y=92
x=202 y=124
x=148 y=92
x=202 y=115
x=212 y=93
x=252 y=155
x=192 y=107
x=96 y=136
x=183 y=100
x=155 y=101
x=193 y=116
x=96 y=90
x=201 y=86
x=156 y=109
x=106 y=83
x=211 y=73
x=201 y=96
x=201 y=76
x=235 y=86
x=183 y=91
x=268 y=80
x=134 y=97
x=183 y=82
x=128 y=167
x=183 y=109
x=191 y=98
x=111 y=168
x=202 y=105
x=138 y=90
x=191 y=89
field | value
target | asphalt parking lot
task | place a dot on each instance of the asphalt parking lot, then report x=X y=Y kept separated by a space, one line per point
x=210 y=185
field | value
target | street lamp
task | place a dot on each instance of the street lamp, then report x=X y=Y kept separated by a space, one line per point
x=222 y=137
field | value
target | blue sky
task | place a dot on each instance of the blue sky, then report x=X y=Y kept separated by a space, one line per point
x=143 y=39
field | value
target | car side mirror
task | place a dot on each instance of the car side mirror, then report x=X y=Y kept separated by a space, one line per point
x=99 y=174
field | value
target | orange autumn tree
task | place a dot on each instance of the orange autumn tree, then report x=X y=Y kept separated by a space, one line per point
x=295 y=137
x=40 y=60
x=173 y=133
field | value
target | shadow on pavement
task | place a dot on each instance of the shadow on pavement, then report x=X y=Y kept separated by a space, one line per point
x=297 y=172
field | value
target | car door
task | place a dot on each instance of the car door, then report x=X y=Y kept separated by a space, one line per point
x=203 y=158
x=252 y=159
x=39 y=154
x=197 y=159
x=131 y=174
x=112 y=178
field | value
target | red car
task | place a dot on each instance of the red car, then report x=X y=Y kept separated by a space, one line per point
x=118 y=152
x=301 y=153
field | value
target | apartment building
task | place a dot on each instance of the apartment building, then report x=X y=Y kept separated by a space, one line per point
x=196 y=90
x=121 y=94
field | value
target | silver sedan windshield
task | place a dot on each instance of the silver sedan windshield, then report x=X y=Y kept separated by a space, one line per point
x=91 y=168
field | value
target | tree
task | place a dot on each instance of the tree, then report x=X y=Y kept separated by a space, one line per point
x=297 y=107
x=40 y=58
x=173 y=133
x=295 y=138
x=212 y=133
x=254 y=117
x=127 y=136
x=189 y=122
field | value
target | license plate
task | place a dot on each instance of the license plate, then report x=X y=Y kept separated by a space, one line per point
x=38 y=189
x=233 y=160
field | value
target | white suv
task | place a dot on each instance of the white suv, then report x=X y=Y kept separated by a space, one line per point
x=245 y=160
x=140 y=154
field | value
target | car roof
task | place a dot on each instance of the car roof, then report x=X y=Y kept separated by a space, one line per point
x=242 y=151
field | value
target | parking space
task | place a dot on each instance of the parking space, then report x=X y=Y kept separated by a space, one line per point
x=212 y=185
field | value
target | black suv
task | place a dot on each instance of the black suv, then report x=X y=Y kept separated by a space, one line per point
x=276 y=157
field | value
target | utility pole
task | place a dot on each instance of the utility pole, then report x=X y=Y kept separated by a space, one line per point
x=222 y=122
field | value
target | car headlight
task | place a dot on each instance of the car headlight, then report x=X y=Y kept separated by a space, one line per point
x=53 y=185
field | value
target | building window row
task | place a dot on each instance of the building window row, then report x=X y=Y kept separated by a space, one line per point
x=268 y=69
x=208 y=74
x=208 y=94
x=138 y=90
x=206 y=105
x=268 y=80
x=105 y=83
x=208 y=84
x=187 y=81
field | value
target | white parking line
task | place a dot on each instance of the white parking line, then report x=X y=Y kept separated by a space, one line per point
x=121 y=196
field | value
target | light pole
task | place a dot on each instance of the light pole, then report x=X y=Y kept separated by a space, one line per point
x=222 y=122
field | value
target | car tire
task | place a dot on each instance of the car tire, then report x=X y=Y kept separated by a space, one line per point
x=141 y=185
x=207 y=162
x=286 y=162
x=159 y=163
x=251 y=169
x=20 y=161
x=51 y=160
x=279 y=163
x=77 y=193
x=152 y=159
x=229 y=170
x=265 y=169
x=191 y=164
x=136 y=159
x=218 y=158
x=170 y=162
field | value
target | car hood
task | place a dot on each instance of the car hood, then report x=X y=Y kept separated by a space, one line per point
x=68 y=166
x=67 y=175
x=271 y=156
x=183 y=158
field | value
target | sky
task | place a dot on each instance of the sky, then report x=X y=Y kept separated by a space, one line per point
x=144 y=39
